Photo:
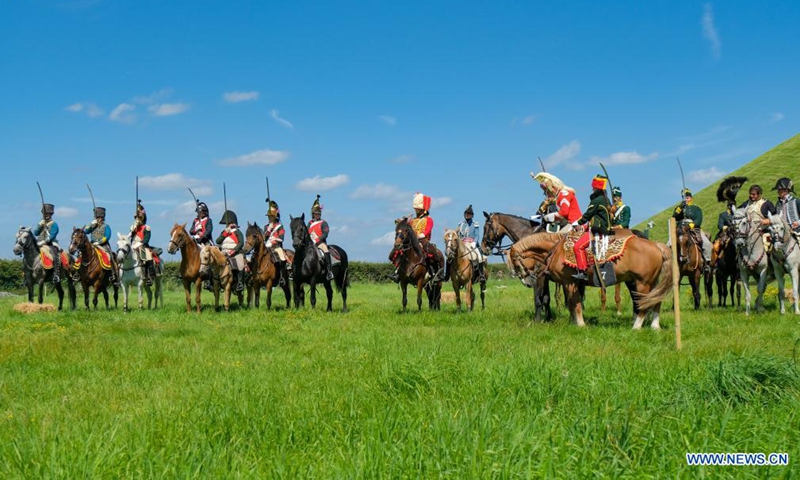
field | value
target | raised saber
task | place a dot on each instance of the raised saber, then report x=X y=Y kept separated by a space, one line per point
x=41 y=195
x=94 y=206
x=196 y=202
x=225 y=198
x=136 y=206
x=683 y=182
x=541 y=163
x=610 y=187
x=268 y=195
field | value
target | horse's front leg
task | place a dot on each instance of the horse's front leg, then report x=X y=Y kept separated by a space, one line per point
x=420 y=286
x=457 y=291
x=602 y=300
x=573 y=298
x=617 y=299
x=762 y=285
x=30 y=284
x=694 y=282
x=312 y=287
x=795 y=274
x=745 y=277
x=124 y=286
x=470 y=294
x=60 y=291
x=404 y=288
x=198 y=288
x=778 y=268
x=329 y=293
x=40 y=283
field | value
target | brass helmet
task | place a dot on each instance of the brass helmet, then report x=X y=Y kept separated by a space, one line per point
x=316 y=207
x=273 y=212
x=141 y=213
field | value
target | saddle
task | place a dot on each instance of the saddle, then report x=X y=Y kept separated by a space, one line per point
x=335 y=257
x=602 y=249
x=102 y=256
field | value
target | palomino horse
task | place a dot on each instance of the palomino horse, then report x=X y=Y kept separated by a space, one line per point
x=785 y=259
x=213 y=261
x=131 y=274
x=412 y=268
x=95 y=274
x=190 y=273
x=691 y=262
x=308 y=267
x=462 y=273
x=645 y=269
x=726 y=269
x=753 y=258
x=263 y=269
x=36 y=274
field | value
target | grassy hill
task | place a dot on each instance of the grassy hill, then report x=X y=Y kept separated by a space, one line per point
x=782 y=161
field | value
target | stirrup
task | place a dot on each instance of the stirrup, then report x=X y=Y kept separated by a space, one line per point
x=56 y=278
x=394 y=276
x=239 y=286
x=581 y=275
x=329 y=275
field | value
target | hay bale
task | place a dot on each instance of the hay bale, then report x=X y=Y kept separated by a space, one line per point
x=448 y=297
x=34 y=307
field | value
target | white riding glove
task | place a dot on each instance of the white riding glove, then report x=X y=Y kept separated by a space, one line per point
x=550 y=217
x=94 y=223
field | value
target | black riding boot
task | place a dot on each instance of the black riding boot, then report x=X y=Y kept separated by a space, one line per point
x=149 y=273
x=481 y=273
x=328 y=267
x=207 y=282
x=237 y=278
x=56 y=267
x=581 y=275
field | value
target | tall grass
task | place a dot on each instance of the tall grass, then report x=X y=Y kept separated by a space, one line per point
x=380 y=393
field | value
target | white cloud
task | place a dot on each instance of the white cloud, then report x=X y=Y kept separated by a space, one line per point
x=66 y=212
x=286 y=123
x=623 y=158
x=318 y=183
x=710 y=31
x=89 y=109
x=154 y=97
x=705 y=176
x=176 y=181
x=123 y=113
x=403 y=159
x=563 y=154
x=776 y=117
x=167 y=109
x=259 y=157
x=388 y=120
x=529 y=119
x=437 y=202
x=387 y=239
x=186 y=211
x=380 y=191
x=236 y=97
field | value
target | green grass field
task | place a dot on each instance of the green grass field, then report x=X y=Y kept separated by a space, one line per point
x=378 y=393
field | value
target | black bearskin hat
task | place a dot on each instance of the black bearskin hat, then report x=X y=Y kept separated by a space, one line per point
x=729 y=188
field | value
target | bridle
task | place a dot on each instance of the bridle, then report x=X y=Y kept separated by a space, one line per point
x=743 y=226
x=28 y=244
x=489 y=239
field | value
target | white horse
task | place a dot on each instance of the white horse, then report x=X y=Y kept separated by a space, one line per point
x=785 y=259
x=130 y=274
x=752 y=258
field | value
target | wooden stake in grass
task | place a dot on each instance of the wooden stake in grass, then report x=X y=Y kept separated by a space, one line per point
x=676 y=283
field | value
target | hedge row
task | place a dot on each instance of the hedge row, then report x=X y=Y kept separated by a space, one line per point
x=11 y=278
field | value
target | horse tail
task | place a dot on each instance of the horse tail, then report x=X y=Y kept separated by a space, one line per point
x=664 y=286
x=343 y=280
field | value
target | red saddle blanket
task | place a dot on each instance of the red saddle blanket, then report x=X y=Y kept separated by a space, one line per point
x=102 y=256
x=47 y=261
x=616 y=248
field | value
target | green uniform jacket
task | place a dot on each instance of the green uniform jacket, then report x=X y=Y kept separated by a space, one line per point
x=597 y=214
x=692 y=212
x=623 y=217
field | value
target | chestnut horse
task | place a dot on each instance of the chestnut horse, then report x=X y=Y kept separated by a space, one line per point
x=691 y=263
x=645 y=269
x=413 y=266
x=92 y=272
x=213 y=261
x=263 y=269
x=462 y=273
x=179 y=239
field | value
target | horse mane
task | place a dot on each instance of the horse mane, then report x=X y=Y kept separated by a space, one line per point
x=410 y=233
x=515 y=217
x=525 y=243
x=300 y=222
x=255 y=229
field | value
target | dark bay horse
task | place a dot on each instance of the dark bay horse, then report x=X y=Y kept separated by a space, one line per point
x=726 y=270
x=413 y=268
x=263 y=269
x=36 y=274
x=645 y=269
x=93 y=273
x=308 y=267
x=462 y=272
x=691 y=262
x=179 y=238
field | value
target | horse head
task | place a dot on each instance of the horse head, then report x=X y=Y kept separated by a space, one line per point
x=741 y=225
x=78 y=239
x=178 y=237
x=299 y=231
x=777 y=228
x=451 y=243
x=405 y=237
x=492 y=233
x=24 y=241
x=123 y=247
x=253 y=236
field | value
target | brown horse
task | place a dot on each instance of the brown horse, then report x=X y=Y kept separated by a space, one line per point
x=690 y=261
x=725 y=270
x=92 y=274
x=645 y=269
x=214 y=261
x=190 y=273
x=462 y=272
x=412 y=268
x=263 y=269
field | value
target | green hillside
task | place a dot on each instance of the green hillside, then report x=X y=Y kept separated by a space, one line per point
x=781 y=161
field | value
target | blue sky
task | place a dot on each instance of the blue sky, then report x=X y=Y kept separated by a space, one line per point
x=366 y=103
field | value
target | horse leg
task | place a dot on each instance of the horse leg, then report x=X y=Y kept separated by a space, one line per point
x=655 y=323
x=344 y=290
x=60 y=291
x=41 y=291
x=573 y=299
x=470 y=295
x=602 y=300
x=420 y=284
x=329 y=293
x=403 y=288
x=762 y=285
x=617 y=299
x=29 y=284
x=745 y=277
x=639 y=314
x=457 y=292
x=708 y=281
x=85 y=294
x=795 y=277
x=313 y=291
x=483 y=291
x=778 y=267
